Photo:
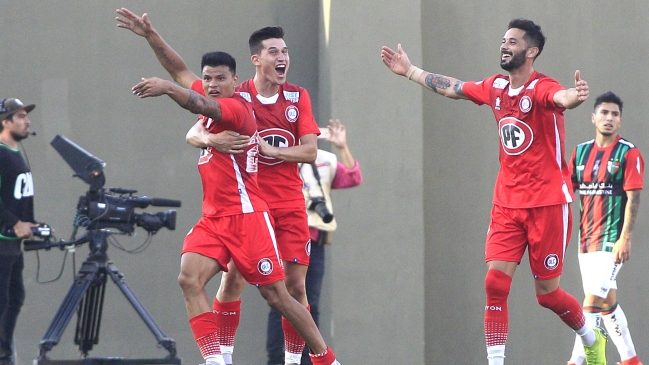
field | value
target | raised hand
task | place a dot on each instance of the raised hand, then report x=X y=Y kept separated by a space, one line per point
x=581 y=86
x=151 y=87
x=138 y=25
x=338 y=133
x=397 y=62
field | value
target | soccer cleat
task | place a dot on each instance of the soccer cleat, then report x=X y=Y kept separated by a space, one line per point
x=596 y=354
x=632 y=361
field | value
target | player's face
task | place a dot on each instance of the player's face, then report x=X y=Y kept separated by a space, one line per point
x=18 y=125
x=607 y=119
x=218 y=82
x=513 y=50
x=273 y=61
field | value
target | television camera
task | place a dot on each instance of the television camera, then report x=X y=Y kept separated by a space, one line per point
x=102 y=213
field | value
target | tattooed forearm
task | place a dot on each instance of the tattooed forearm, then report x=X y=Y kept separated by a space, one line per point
x=192 y=103
x=161 y=53
x=435 y=82
x=458 y=88
x=198 y=104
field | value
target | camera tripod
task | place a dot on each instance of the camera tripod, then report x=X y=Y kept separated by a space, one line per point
x=86 y=297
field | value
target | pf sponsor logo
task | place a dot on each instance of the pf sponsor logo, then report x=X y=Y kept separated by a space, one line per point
x=515 y=135
x=275 y=137
x=265 y=266
x=551 y=261
x=292 y=113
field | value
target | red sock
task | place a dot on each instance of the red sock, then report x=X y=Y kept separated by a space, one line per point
x=293 y=342
x=496 y=318
x=204 y=330
x=566 y=306
x=326 y=358
x=227 y=315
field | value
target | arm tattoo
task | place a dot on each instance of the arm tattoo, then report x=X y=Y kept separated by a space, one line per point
x=434 y=82
x=458 y=88
x=199 y=104
x=162 y=56
x=192 y=103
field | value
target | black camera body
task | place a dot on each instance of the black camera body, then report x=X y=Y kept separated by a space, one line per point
x=319 y=205
x=113 y=209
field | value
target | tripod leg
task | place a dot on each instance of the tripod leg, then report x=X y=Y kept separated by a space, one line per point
x=82 y=281
x=164 y=341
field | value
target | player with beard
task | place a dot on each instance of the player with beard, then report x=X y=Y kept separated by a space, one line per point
x=288 y=135
x=532 y=193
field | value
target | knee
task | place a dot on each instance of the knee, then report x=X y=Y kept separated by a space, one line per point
x=550 y=300
x=497 y=285
x=188 y=282
x=296 y=287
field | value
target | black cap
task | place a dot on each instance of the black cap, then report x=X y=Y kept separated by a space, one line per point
x=12 y=105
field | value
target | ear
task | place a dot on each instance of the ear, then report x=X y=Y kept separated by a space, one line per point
x=255 y=60
x=532 y=52
x=592 y=118
x=236 y=80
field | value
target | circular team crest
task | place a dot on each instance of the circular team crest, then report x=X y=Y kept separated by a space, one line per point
x=515 y=135
x=308 y=248
x=551 y=261
x=292 y=113
x=525 y=104
x=275 y=137
x=265 y=266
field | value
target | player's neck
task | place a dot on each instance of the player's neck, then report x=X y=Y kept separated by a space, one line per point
x=265 y=87
x=520 y=76
x=605 y=141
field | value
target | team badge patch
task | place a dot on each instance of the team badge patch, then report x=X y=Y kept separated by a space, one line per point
x=613 y=167
x=525 y=104
x=292 y=113
x=551 y=261
x=515 y=135
x=308 y=248
x=265 y=266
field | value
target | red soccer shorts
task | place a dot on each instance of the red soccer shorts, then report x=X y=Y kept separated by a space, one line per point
x=247 y=239
x=292 y=232
x=544 y=231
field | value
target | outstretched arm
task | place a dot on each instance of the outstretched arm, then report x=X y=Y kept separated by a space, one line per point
x=399 y=63
x=168 y=58
x=186 y=98
x=573 y=97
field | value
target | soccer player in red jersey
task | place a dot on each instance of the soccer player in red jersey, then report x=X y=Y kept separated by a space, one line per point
x=288 y=135
x=608 y=173
x=532 y=193
x=235 y=225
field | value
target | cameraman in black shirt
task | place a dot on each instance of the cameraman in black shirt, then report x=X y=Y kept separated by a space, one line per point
x=16 y=218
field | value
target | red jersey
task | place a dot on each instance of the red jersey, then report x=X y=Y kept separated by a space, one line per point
x=533 y=170
x=282 y=120
x=230 y=181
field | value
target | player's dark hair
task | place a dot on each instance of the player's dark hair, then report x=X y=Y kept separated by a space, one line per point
x=533 y=34
x=215 y=59
x=258 y=36
x=608 y=97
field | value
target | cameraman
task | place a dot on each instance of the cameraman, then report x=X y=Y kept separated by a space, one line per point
x=16 y=218
x=332 y=175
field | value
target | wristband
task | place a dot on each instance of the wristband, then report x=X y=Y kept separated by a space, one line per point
x=413 y=73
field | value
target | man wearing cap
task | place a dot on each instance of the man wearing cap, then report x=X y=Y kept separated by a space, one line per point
x=16 y=217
